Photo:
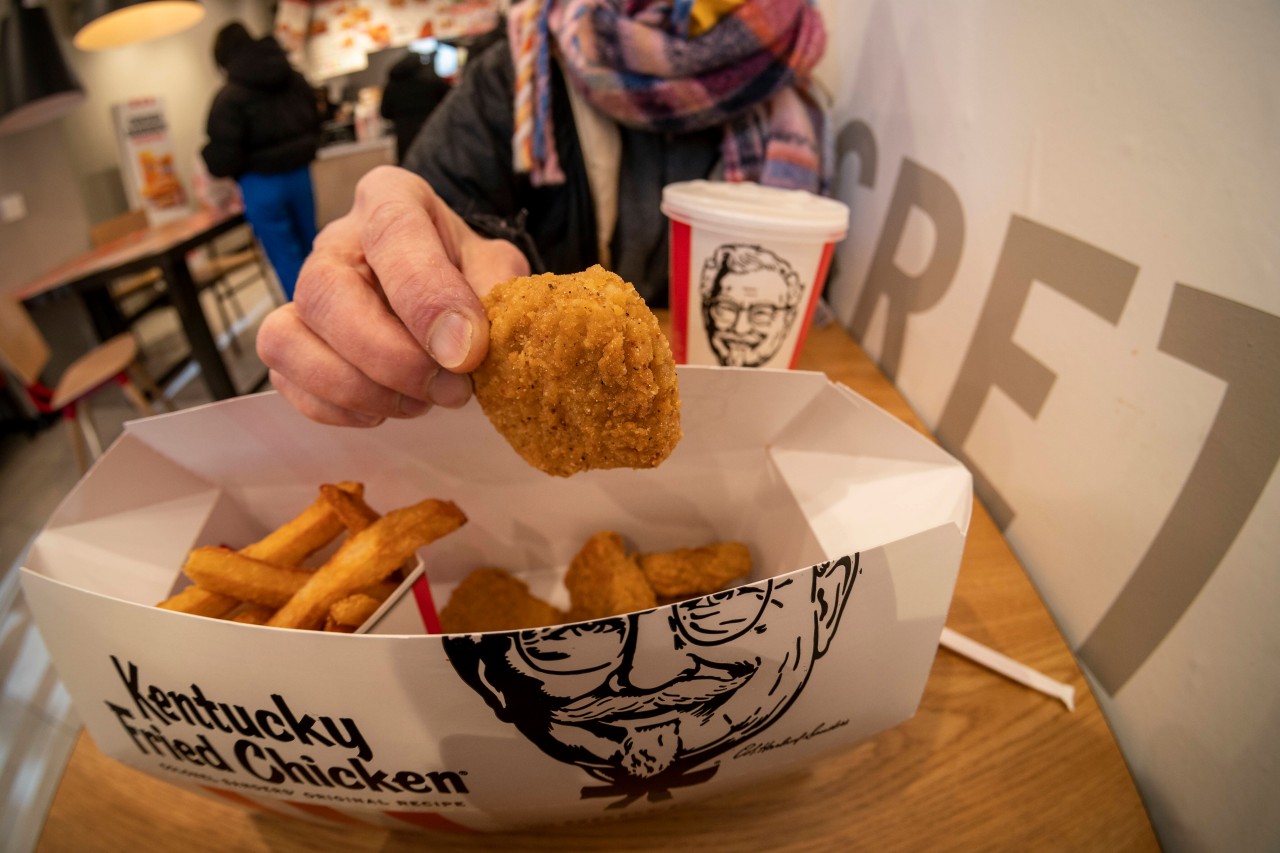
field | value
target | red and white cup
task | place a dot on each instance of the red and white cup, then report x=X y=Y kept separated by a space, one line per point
x=748 y=263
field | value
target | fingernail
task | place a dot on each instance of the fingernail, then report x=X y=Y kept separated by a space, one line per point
x=450 y=390
x=450 y=340
x=408 y=407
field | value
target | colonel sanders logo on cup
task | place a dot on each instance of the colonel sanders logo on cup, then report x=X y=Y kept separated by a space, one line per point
x=750 y=298
x=642 y=701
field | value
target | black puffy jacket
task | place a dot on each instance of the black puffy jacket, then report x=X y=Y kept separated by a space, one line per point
x=412 y=93
x=264 y=119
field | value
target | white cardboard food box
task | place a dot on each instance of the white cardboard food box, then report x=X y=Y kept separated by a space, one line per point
x=856 y=523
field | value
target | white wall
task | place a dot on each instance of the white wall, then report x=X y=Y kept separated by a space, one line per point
x=1076 y=287
x=35 y=164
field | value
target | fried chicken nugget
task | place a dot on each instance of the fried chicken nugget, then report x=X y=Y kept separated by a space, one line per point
x=687 y=572
x=495 y=600
x=603 y=580
x=579 y=374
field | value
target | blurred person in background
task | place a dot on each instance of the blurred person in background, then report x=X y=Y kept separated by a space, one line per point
x=412 y=93
x=550 y=154
x=264 y=129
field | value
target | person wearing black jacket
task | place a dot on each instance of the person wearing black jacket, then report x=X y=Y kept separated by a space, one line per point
x=413 y=91
x=264 y=130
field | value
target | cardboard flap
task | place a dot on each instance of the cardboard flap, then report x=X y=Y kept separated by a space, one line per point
x=728 y=408
x=923 y=567
x=855 y=504
x=863 y=479
x=119 y=554
x=133 y=475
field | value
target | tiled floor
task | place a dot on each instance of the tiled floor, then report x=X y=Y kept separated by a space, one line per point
x=37 y=725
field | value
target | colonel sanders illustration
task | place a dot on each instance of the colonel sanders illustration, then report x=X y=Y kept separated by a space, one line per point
x=750 y=299
x=643 y=702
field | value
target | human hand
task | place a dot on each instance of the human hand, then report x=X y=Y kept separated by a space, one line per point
x=386 y=319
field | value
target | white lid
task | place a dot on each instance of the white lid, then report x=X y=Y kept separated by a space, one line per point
x=747 y=208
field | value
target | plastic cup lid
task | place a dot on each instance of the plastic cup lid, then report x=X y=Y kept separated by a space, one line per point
x=747 y=207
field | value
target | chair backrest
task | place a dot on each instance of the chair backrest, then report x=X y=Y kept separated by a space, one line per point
x=23 y=349
x=238 y=238
x=117 y=226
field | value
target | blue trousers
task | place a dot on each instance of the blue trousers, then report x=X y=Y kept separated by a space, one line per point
x=281 y=209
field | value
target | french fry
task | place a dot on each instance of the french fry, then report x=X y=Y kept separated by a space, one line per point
x=348 y=614
x=257 y=583
x=350 y=507
x=312 y=529
x=252 y=614
x=355 y=514
x=368 y=557
x=353 y=610
x=687 y=572
x=231 y=573
x=382 y=591
x=604 y=580
x=200 y=602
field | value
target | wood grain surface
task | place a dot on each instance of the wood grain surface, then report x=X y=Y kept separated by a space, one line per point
x=984 y=764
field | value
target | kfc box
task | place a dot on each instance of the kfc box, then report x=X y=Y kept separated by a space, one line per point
x=855 y=521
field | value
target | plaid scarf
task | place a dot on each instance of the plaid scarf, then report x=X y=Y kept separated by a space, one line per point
x=632 y=60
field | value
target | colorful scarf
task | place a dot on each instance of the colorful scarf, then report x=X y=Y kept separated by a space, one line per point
x=632 y=60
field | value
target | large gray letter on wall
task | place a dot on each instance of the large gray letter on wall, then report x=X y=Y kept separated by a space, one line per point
x=1240 y=345
x=1087 y=275
x=856 y=138
x=920 y=188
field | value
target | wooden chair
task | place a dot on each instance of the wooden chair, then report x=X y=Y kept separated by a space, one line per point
x=139 y=293
x=220 y=271
x=25 y=353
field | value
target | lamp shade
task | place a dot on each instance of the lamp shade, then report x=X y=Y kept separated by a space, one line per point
x=112 y=23
x=36 y=84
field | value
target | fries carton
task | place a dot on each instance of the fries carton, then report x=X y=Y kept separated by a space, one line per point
x=855 y=522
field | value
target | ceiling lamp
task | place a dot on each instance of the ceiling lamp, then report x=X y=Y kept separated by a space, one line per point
x=36 y=84
x=112 y=23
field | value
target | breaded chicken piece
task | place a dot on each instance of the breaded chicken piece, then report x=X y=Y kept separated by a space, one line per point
x=495 y=600
x=686 y=572
x=579 y=374
x=603 y=580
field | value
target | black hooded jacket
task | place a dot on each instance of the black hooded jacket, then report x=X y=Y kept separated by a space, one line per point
x=412 y=92
x=264 y=119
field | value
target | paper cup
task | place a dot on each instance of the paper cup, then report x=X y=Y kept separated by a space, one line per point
x=747 y=267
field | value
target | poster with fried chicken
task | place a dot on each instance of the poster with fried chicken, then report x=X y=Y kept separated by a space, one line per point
x=147 y=167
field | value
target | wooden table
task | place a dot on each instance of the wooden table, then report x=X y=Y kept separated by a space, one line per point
x=985 y=763
x=166 y=246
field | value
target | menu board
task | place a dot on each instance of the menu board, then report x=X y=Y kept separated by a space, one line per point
x=150 y=177
x=327 y=38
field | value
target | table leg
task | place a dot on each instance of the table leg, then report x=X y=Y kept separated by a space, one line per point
x=186 y=299
x=104 y=313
